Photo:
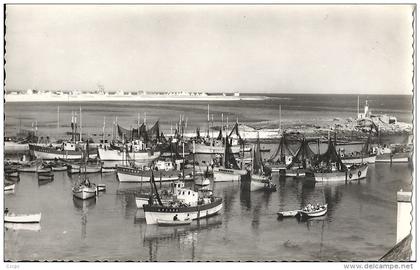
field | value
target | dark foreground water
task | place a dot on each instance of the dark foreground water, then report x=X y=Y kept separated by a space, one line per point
x=360 y=223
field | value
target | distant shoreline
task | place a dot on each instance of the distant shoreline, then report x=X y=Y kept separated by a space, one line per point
x=79 y=98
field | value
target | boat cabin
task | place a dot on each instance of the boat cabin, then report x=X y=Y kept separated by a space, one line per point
x=187 y=196
x=164 y=165
x=69 y=146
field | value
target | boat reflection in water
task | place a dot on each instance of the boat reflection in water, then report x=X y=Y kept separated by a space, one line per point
x=36 y=227
x=182 y=236
x=84 y=206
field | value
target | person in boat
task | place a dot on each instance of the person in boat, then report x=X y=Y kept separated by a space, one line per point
x=188 y=217
x=87 y=182
x=6 y=211
x=176 y=217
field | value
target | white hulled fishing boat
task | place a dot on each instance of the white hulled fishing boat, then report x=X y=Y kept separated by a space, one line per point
x=67 y=151
x=186 y=205
x=329 y=168
x=364 y=156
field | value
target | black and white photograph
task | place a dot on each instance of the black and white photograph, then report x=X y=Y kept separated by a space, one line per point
x=209 y=133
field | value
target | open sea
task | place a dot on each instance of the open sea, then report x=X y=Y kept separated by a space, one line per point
x=360 y=223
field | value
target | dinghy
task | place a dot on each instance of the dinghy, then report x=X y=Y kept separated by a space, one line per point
x=9 y=187
x=162 y=222
x=14 y=218
x=313 y=211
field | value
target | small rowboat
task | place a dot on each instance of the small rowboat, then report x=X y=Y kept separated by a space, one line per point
x=314 y=213
x=162 y=222
x=292 y=213
x=13 y=218
x=9 y=187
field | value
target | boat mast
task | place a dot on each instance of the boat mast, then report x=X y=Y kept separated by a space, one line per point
x=279 y=119
x=58 y=119
x=116 y=127
x=222 y=127
x=194 y=160
x=357 y=107
x=138 y=125
x=183 y=160
x=212 y=129
x=208 y=120
x=80 y=139
x=103 y=131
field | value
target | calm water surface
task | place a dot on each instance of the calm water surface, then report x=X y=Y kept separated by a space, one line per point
x=360 y=223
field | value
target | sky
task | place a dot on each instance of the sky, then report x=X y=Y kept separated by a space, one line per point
x=341 y=49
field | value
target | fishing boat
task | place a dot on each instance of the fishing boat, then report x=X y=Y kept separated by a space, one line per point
x=81 y=168
x=364 y=156
x=15 y=218
x=260 y=175
x=393 y=158
x=393 y=155
x=313 y=211
x=57 y=166
x=135 y=150
x=164 y=173
x=329 y=168
x=9 y=187
x=163 y=222
x=187 y=204
x=302 y=160
x=37 y=166
x=84 y=189
x=334 y=174
x=67 y=151
x=229 y=171
x=282 y=157
x=217 y=146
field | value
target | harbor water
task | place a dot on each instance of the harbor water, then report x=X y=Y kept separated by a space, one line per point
x=360 y=223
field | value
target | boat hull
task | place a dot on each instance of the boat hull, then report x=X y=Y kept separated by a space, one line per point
x=359 y=160
x=116 y=155
x=48 y=153
x=208 y=149
x=85 y=193
x=155 y=212
x=395 y=158
x=134 y=175
x=317 y=213
x=9 y=187
x=35 y=218
x=73 y=169
x=227 y=175
x=350 y=175
x=167 y=223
